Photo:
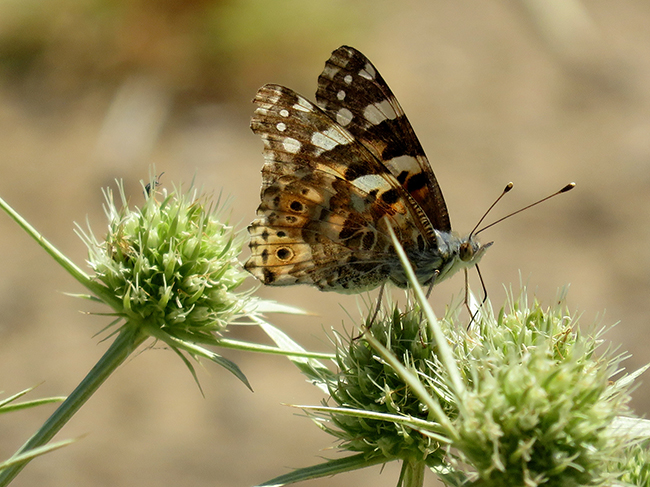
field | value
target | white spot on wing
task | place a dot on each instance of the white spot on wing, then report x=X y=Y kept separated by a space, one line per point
x=284 y=113
x=303 y=105
x=281 y=126
x=378 y=112
x=261 y=111
x=368 y=72
x=403 y=163
x=340 y=95
x=344 y=116
x=348 y=78
x=370 y=182
x=330 y=71
x=274 y=97
x=291 y=145
x=329 y=139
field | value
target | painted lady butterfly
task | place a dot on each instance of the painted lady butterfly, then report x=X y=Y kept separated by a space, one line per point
x=336 y=174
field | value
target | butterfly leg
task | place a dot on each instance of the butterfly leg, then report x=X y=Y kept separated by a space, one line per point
x=433 y=281
x=378 y=307
x=375 y=313
x=485 y=295
x=466 y=300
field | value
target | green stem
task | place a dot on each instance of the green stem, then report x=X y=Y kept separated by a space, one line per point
x=72 y=269
x=126 y=342
x=412 y=474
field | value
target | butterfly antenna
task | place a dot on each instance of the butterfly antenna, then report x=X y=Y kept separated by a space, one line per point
x=505 y=190
x=568 y=187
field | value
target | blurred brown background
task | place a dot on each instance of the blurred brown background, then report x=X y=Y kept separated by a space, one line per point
x=536 y=92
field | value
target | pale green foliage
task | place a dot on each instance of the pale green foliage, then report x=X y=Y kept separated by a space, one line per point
x=635 y=466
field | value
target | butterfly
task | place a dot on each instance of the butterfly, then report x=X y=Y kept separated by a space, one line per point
x=337 y=175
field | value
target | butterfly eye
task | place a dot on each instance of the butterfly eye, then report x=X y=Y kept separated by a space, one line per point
x=466 y=252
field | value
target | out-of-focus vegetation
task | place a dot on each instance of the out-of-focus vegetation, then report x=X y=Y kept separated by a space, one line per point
x=200 y=48
x=538 y=92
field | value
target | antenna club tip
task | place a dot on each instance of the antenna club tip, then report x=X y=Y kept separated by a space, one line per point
x=568 y=187
x=508 y=187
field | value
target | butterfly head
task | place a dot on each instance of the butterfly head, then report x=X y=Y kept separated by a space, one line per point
x=470 y=251
x=456 y=253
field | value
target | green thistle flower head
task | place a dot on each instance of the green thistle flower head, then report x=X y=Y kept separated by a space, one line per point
x=367 y=383
x=521 y=399
x=169 y=268
x=539 y=401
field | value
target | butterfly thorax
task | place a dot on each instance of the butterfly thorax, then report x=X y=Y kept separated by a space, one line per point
x=451 y=254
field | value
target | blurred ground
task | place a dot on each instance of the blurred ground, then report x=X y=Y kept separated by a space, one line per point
x=531 y=92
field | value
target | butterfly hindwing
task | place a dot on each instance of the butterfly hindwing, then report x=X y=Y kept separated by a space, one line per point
x=352 y=92
x=326 y=201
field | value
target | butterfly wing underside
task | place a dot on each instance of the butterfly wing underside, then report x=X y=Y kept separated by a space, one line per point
x=336 y=175
x=326 y=201
x=352 y=92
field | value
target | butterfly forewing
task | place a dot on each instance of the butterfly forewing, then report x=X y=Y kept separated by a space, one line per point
x=326 y=202
x=352 y=92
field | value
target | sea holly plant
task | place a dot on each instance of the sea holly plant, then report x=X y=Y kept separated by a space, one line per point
x=11 y=404
x=168 y=271
x=521 y=398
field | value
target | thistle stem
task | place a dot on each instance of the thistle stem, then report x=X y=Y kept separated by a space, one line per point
x=94 y=287
x=126 y=342
x=412 y=474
